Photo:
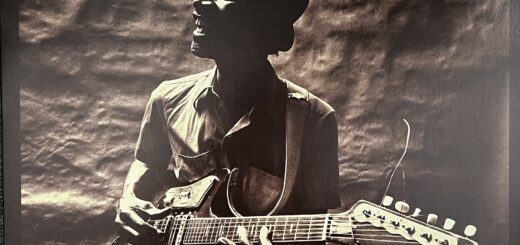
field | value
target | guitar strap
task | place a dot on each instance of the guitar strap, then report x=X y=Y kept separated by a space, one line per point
x=296 y=116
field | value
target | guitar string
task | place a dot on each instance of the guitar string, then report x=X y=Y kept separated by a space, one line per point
x=195 y=229
x=267 y=222
x=399 y=162
x=321 y=217
x=310 y=236
x=304 y=235
x=196 y=225
x=298 y=235
x=331 y=239
x=287 y=217
x=196 y=235
x=315 y=235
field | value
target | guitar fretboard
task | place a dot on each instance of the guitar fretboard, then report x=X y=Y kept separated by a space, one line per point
x=282 y=228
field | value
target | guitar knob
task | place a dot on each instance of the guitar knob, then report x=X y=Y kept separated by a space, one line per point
x=410 y=230
x=448 y=224
x=387 y=201
x=381 y=218
x=416 y=212
x=395 y=223
x=432 y=219
x=470 y=231
x=427 y=236
x=402 y=207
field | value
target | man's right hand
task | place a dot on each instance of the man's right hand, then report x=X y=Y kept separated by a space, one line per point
x=132 y=214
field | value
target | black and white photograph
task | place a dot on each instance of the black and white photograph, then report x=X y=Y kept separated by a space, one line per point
x=261 y=122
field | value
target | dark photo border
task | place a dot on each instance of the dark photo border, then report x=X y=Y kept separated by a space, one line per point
x=514 y=123
x=10 y=194
x=10 y=124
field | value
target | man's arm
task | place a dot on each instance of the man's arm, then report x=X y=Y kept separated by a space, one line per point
x=134 y=207
x=151 y=158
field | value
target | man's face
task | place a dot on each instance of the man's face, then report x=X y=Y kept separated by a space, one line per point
x=224 y=27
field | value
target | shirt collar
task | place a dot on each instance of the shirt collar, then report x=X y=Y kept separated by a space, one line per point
x=204 y=88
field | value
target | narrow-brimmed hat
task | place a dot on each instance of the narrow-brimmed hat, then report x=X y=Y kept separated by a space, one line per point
x=285 y=11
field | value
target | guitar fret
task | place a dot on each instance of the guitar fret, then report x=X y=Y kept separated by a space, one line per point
x=273 y=228
x=187 y=231
x=309 y=231
x=296 y=228
x=173 y=231
x=201 y=234
x=196 y=233
x=193 y=229
x=255 y=230
x=197 y=227
x=217 y=229
x=207 y=231
x=223 y=228
x=266 y=224
x=325 y=222
x=235 y=229
x=228 y=228
x=214 y=230
x=248 y=227
x=285 y=228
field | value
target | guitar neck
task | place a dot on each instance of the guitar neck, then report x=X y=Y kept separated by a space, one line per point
x=283 y=228
x=292 y=228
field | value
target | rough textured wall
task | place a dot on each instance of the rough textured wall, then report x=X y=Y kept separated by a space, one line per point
x=89 y=67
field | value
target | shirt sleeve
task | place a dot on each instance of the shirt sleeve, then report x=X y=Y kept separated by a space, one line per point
x=321 y=175
x=153 y=146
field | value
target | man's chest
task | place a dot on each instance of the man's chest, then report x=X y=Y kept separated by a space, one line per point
x=203 y=140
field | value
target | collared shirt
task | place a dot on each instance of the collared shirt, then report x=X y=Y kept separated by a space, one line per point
x=187 y=129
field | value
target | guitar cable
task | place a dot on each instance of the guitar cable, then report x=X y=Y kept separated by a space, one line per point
x=398 y=163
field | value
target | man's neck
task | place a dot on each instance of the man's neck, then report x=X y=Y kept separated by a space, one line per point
x=240 y=79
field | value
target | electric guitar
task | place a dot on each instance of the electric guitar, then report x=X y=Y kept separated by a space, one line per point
x=188 y=219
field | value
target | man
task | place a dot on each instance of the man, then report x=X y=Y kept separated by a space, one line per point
x=235 y=116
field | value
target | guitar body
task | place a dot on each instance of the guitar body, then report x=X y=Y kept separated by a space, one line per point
x=203 y=211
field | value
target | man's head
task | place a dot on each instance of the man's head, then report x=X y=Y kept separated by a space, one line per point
x=244 y=27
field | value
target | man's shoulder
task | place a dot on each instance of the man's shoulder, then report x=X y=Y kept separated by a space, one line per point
x=318 y=106
x=180 y=86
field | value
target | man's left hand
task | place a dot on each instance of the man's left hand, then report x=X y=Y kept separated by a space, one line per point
x=244 y=237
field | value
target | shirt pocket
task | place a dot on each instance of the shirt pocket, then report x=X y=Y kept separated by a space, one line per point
x=192 y=167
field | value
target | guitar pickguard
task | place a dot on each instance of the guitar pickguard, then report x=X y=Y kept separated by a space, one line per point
x=190 y=196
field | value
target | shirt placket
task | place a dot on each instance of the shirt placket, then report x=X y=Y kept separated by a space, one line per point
x=228 y=139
